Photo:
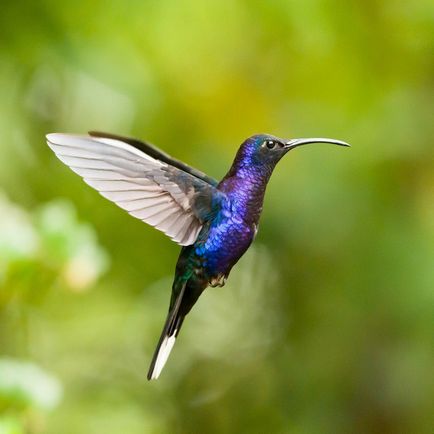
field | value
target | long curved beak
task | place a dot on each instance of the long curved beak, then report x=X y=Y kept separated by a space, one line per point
x=300 y=142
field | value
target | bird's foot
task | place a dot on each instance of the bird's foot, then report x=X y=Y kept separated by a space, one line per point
x=220 y=280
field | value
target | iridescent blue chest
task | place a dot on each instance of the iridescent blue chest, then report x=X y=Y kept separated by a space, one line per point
x=227 y=239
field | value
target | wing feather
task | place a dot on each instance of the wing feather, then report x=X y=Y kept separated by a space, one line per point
x=177 y=224
x=158 y=154
x=161 y=195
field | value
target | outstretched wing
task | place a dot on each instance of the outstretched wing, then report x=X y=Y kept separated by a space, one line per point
x=158 y=154
x=164 y=196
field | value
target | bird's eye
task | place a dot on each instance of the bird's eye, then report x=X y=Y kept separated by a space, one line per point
x=270 y=144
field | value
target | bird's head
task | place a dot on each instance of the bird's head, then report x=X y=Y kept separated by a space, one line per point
x=265 y=149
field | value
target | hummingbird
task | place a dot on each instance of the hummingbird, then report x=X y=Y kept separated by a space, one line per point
x=214 y=222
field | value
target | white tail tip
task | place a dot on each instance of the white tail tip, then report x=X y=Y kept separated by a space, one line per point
x=163 y=355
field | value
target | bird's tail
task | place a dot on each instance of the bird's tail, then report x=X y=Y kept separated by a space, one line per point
x=168 y=336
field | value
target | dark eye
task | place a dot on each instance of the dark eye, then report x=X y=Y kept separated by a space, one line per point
x=270 y=144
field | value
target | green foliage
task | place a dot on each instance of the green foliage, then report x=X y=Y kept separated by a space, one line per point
x=25 y=385
x=39 y=250
x=325 y=326
x=26 y=391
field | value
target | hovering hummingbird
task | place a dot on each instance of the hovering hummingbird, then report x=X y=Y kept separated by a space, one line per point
x=214 y=222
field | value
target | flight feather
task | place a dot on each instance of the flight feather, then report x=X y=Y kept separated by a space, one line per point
x=162 y=195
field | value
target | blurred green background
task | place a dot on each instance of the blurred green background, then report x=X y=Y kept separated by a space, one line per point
x=326 y=324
